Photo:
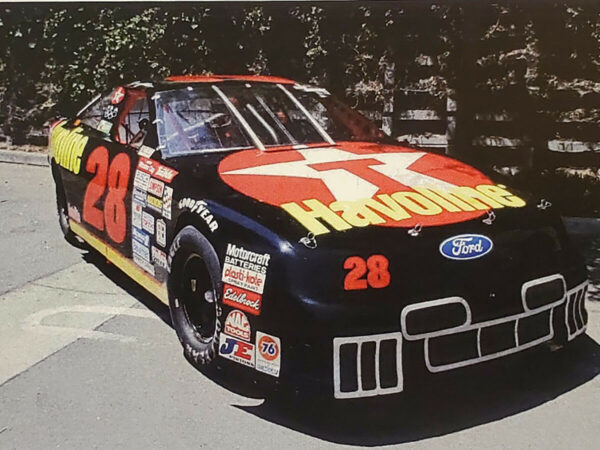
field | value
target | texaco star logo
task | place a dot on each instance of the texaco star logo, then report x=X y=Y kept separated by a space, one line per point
x=363 y=184
x=118 y=96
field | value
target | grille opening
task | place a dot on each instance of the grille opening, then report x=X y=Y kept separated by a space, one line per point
x=577 y=309
x=544 y=294
x=571 y=312
x=453 y=348
x=367 y=364
x=348 y=372
x=534 y=327
x=435 y=318
x=496 y=338
x=388 y=376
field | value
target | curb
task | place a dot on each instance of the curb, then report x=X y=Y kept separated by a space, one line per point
x=18 y=157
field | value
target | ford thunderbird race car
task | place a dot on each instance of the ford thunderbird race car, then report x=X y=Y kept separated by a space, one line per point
x=295 y=245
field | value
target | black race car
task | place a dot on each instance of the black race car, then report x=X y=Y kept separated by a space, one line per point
x=293 y=244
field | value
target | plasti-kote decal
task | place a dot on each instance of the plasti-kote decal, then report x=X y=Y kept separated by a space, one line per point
x=337 y=188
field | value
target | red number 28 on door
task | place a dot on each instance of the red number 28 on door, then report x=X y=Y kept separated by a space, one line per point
x=114 y=215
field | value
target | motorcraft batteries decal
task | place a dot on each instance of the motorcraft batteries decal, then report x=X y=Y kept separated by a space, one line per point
x=359 y=185
x=244 y=276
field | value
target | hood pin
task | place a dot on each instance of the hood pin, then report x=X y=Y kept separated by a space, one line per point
x=491 y=216
x=544 y=204
x=414 y=232
x=309 y=241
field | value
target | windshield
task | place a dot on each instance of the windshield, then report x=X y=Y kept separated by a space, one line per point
x=219 y=117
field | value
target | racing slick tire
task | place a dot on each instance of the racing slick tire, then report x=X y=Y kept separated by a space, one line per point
x=63 y=213
x=194 y=285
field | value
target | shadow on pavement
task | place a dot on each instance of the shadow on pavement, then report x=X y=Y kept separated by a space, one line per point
x=448 y=403
x=444 y=403
x=127 y=284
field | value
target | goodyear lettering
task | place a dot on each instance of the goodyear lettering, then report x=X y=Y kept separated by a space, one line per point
x=319 y=218
x=67 y=147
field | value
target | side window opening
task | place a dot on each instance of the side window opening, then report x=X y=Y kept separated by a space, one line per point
x=93 y=115
x=134 y=123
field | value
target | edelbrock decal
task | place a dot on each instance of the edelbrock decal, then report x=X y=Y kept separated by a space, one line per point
x=466 y=246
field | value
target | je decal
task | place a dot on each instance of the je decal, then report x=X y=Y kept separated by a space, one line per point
x=236 y=350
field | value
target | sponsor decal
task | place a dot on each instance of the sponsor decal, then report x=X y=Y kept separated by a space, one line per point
x=141 y=180
x=236 y=350
x=136 y=214
x=268 y=354
x=104 y=126
x=140 y=236
x=159 y=257
x=156 y=187
x=242 y=299
x=199 y=207
x=67 y=147
x=154 y=203
x=244 y=275
x=74 y=213
x=361 y=185
x=161 y=232
x=143 y=264
x=466 y=246
x=167 y=201
x=140 y=250
x=146 y=151
x=139 y=195
x=247 y=259
x=118 y=95
x=156 y=169
x=244 y=278
x=148 y=222
x=237 y=325
x=110 y=112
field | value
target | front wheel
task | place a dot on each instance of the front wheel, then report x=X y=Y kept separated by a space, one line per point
x=194 y=295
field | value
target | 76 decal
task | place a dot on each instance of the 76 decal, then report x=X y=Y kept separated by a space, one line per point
x=374 y=272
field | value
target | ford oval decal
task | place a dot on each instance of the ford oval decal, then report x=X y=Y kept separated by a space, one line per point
x=466 y=246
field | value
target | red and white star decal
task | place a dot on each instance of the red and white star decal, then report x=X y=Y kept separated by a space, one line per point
x=118 y=95
x=347 y=172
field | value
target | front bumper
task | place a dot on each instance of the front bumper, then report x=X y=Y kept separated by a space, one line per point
x=372 y=365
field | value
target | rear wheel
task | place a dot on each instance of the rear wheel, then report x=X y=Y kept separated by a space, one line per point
x=194 y=301
x=63 y=214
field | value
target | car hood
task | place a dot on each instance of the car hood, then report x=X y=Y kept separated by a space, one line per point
x=356 y=192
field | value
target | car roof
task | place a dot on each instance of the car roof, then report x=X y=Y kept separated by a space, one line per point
x=221 y=78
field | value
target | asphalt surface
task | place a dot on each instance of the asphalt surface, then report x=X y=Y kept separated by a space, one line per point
x=89 y=360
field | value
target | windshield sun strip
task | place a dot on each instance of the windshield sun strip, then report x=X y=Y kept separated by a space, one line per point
x=90 y=103
x=263 y=122
x=274 y=118
x=313 y=121
x=239 y=116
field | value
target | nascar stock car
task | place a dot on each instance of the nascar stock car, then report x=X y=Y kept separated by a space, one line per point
x=294 y=245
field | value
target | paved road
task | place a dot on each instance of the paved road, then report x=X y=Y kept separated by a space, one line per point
x=88 y=360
